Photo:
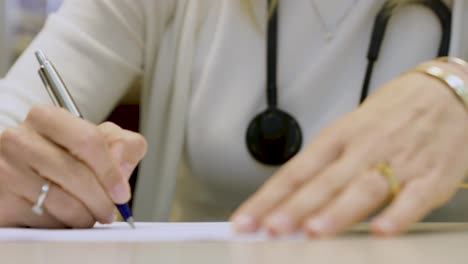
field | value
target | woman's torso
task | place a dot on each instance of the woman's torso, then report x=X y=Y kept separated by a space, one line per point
x=319 y=80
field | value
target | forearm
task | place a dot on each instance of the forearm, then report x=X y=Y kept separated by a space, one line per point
x=97 y=47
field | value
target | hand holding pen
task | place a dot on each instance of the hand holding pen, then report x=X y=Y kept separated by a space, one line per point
x=60 y=171
x=109 y=179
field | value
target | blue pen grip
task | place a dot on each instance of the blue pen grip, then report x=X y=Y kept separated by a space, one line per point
x=124 y=211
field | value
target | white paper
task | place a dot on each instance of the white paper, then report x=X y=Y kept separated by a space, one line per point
x=162 y=232
x=144 y=232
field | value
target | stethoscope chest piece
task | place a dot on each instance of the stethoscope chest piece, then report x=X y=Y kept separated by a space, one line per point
x=273 y=137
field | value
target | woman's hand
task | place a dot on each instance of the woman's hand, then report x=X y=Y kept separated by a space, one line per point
x=87 y=167
x=414 y=123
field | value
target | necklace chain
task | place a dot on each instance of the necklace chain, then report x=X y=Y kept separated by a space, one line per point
x=329 y=31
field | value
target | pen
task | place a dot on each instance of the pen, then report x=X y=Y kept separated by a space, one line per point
x=61 y=97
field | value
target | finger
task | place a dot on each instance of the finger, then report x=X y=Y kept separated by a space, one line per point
x=128 y=161
x=323 y=151
x=128 y=148
x=83 y=140
x=25 y=183
x=411 y=205
x=135 y=147
x=33 y=155
x=367 y=193
x=111 y=131
x=428 y=187
x=66 y=208
x=364 y=196
x=16 y=212
x=287 y=217
x=320 y=190
x=15 y=209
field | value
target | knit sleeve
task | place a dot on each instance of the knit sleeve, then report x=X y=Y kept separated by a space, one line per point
x=98 y=48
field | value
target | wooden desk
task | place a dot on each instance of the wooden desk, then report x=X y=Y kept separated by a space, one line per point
x=449 y=245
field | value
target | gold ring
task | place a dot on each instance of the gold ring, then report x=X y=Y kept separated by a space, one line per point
x=386 y=170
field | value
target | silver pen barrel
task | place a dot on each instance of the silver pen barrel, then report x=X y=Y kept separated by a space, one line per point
x=56 y=88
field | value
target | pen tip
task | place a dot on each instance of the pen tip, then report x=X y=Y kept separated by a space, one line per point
x=131 y=222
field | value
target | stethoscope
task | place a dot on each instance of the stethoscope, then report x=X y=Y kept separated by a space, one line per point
x=274 y=136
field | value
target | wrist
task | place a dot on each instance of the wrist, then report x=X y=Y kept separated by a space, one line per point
x=452 y=73
x=457 y=62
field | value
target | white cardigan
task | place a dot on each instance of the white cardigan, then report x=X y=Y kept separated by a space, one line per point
x=100 y=58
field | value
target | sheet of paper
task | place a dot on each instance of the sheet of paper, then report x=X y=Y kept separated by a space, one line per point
x=144 y=232
x=162 y=232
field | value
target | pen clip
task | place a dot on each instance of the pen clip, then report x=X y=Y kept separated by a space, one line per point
x=47 y=86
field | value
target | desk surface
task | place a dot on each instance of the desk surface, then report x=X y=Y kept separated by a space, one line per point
x=440 y=245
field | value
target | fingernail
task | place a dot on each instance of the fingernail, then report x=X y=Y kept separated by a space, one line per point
x=281 y=223
x=126 y=169
x=112 y=219
x=320 y=226
x=245 y=223
x=385 y=226
x=121 y=193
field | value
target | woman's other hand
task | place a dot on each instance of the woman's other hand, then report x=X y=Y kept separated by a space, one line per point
x=414 y=123
x=87 y=167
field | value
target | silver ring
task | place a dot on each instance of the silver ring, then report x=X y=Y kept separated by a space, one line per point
x=38 y=207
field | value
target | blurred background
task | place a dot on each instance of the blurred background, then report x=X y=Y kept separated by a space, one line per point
x=20 y=20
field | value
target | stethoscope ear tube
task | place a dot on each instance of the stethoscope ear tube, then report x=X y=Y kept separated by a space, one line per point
x=377 y=37
x=378 y=33
x=380 y=27
x=445 y=17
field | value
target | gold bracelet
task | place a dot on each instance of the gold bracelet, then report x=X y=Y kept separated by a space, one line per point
x=451 y=80
x=456 y=61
